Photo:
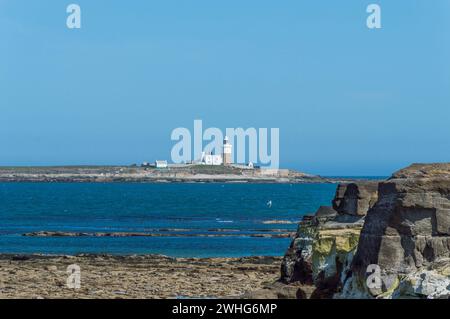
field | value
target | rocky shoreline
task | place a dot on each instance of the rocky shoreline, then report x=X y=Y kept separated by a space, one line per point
x=137 y=276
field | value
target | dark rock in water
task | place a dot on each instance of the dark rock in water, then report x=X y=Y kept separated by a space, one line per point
x=407 y=232
x=268 y=233
x=20 y=257
x=355 y=198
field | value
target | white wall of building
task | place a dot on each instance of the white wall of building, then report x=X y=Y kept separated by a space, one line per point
x=213 y=159
x=161 y=164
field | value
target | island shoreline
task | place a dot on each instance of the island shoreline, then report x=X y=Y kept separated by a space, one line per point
x=184 y=174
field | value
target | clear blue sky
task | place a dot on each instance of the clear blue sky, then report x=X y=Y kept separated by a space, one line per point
x=348 y=100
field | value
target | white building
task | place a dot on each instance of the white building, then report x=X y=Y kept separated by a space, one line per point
x=210 y=159
x=161 y=164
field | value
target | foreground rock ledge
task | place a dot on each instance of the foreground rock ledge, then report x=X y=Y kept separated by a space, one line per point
x=142 y=276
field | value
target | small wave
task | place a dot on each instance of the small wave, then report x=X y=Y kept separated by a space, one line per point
x=224 y=221
x=279 y=222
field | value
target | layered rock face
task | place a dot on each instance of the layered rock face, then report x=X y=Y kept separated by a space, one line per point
x=405 y=238
x=321 y=253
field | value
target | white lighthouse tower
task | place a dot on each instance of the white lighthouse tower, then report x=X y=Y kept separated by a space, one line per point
x=226 y=151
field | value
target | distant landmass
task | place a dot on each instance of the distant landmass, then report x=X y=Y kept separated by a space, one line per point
x=173 y=173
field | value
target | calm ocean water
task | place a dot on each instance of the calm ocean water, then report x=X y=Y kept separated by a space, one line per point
x=185 y=209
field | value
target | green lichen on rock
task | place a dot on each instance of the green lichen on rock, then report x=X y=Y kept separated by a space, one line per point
x=333 y=250
x=322 y=251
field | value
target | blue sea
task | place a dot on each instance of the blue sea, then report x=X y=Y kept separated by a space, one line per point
x=183 y=209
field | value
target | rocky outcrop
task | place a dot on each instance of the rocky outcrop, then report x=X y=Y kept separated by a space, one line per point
x=399 y=249
x=355 y=199
x=404 y=247
x=320 y=255
x=379 y=240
